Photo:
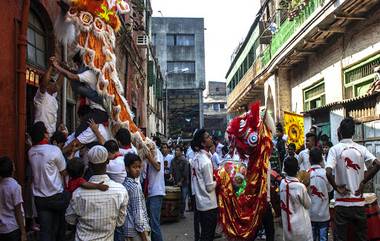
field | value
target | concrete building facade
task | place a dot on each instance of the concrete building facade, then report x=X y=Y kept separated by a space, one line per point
x=317 y=59
x=179 y=46
x=215 y=108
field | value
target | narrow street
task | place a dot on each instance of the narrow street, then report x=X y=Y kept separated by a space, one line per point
x=183 y=230
x=116 y=110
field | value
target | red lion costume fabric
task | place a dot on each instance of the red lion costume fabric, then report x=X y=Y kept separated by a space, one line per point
x=240 y=215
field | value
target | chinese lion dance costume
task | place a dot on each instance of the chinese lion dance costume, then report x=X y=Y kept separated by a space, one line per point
x=91 y=26
x=242 y=187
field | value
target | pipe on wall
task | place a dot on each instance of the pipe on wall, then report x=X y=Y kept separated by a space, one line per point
x=64 y=86
x=21 y=92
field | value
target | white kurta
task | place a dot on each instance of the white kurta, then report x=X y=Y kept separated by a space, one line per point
x=319 y=194
x=299 y=203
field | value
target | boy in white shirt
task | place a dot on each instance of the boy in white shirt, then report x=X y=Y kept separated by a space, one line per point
x=49 y=170
x=215 y=159
x=203 y=185
x=166 y=153
x=123 y=137
x=95 y=101
x=45 y=101
x=348 y=159
x=295 y=202
x=116 y=167
x=303 y=157
x=12 y=226
x=319 y=193
x=154 y=186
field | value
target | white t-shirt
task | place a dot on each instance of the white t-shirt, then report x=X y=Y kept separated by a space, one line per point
x=303 y=160
x=348 y=159
x=156 y=180
x=319 y=193
x=190 y=154
x=10 y=197
x=202 y=176
x=216 y=161
x=116 y=169
x=218 y=150
x=46 y=108
x=169 y=159
x=132 y=150
x=89 y=77
x=47 y=162
x=88 y=136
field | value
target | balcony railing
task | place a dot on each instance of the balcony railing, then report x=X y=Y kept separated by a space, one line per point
x=287 y=29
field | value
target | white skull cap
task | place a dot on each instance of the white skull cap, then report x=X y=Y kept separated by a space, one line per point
x=97 y=154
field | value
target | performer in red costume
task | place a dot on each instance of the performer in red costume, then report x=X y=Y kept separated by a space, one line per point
x=241 y=208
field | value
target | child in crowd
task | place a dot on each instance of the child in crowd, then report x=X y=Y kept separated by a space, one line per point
x=75 y=169
x=12 y=224
x=215 y=159
x=167 y=175
x=224 y=152
x=136 y=226
x=319 y=194
x=115 y=168
x=303 y=157
x=290 y=152
x=295 y=202
x=325 y=148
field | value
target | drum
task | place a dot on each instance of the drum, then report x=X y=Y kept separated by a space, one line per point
x=171 y=205
x=373 y=216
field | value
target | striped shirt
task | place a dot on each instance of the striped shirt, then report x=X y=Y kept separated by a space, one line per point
x=97 y=213
x=137 y=217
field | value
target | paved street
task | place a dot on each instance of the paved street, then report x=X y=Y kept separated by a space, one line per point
x=183 y=230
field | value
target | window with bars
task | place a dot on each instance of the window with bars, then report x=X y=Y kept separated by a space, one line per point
x=358 y=79
x=36 y=42
x=314 y=96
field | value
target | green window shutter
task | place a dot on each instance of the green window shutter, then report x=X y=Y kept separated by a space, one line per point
x=358 y=78
x=151 y=73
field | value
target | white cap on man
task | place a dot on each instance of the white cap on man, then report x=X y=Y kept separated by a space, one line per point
x=97 y=154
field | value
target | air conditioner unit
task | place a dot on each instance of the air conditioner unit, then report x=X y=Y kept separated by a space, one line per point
x=142 y=40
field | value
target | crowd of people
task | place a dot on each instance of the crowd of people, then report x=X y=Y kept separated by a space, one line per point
x=319 y=174
x=106 y=192
x=95 y=183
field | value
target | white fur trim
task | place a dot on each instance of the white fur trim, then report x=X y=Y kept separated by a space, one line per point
x=64 y=30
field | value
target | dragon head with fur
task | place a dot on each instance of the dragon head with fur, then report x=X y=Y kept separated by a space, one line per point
x=90 y=25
